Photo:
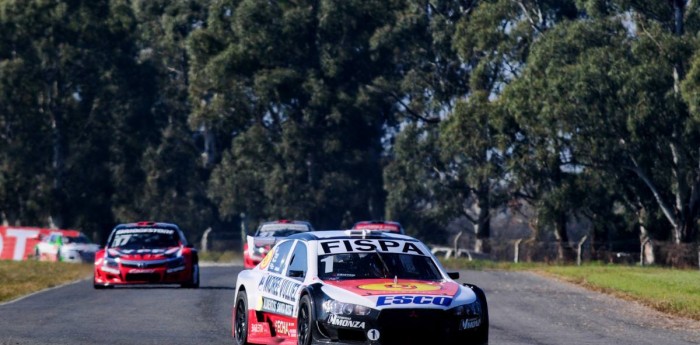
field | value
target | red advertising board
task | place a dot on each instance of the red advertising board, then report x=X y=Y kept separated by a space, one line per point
x=17 y=242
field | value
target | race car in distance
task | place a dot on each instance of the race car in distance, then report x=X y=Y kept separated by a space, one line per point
x=256 y=246
x=356 y=287
x=380 y=226
x=146 y=253
x=67 y=247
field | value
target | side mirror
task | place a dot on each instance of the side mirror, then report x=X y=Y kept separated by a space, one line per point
x=295 y=274
x=453 y=275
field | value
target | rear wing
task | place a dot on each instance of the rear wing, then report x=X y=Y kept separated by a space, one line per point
x=257 y=242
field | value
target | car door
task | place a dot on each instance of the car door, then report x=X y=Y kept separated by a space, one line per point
x=279 y=291
x=273 y=283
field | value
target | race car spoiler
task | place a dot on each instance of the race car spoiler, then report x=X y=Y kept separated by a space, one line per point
x=265 y=241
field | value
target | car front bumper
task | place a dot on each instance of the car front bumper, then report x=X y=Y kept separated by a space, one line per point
x=399 y=327
x=143 y=272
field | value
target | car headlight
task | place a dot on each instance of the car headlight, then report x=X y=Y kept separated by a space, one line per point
x=339 y=308
x=468 y=310
x=176 y=262
x=110 y=262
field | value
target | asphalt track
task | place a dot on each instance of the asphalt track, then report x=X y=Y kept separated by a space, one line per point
x=525 y=309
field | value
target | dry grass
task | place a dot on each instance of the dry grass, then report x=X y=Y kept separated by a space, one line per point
x=18 y=278
x=672 y=291
x=220 y=256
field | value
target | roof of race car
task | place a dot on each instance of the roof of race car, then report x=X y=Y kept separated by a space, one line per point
x=350 y=234
x=147 y=224
x=285 y=224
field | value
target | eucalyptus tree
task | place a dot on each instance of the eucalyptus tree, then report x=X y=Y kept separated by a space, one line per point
x=606 y=89
x=176 y=166
x=294 y=74
x=69 y=80
x=431 y=86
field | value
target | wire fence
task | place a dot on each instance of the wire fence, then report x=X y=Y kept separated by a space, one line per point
x=583 y=250
x=685 y=255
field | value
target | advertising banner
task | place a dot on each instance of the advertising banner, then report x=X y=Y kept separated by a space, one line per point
x=17 y=242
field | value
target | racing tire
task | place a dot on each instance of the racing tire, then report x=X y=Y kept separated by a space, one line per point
x=240 y=319
x=194 y=281
x=305 y=320
x=482 y=333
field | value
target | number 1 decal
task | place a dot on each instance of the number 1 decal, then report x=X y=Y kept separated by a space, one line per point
x=328 y=263
x=373 y=334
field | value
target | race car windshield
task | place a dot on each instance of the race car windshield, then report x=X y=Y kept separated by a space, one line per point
x=144 y=239
x=377 y=265
x=279 y=233
x=77 y=239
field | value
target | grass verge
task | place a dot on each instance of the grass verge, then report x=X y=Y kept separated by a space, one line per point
x=20 y=278
x=226 y=256
x=672 y=291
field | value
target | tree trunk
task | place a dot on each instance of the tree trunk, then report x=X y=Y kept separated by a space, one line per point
x=58 y=199
x=564 y=250
x=645 y=240
x=482 y=227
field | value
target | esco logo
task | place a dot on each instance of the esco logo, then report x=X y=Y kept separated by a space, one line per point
x=436 y=300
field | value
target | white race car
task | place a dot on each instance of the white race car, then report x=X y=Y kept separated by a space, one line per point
x=66 y=247
x=257 y=245
x=355 y=287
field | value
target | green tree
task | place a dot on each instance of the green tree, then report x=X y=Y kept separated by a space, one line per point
x=176 y=166
x=67 y=73
x=298 y=71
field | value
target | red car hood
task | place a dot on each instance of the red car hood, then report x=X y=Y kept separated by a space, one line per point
x=143 y=254
x=374 y=287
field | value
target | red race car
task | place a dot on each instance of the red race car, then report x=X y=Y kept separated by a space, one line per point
x=146 y=253
x=256 y=246
x=379 y=225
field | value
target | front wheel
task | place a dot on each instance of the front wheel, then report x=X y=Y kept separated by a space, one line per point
x=240 y=319
x=482 y=333
x=304 y=321
x=194 y=280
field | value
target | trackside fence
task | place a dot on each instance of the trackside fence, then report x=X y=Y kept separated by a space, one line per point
x=580 y=251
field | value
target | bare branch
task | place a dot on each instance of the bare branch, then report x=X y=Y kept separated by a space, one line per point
x=664 y=207
x=533 y=24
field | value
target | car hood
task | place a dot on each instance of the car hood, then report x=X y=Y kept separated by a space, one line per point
x=143 y=254
x=383 y=293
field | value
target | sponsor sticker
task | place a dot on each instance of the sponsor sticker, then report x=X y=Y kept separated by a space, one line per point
x=277 y=307
x=373 y=334
x=369 y=245
x=284 y=226
x=469 y=323
x=259 y=329
x=286 y=328
x=279 y=287
x=420 y=300
x=400 y=287
x=145 y=231
x=343 y=321
x=136 y=270
x=377 y=226
x=266 y=261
